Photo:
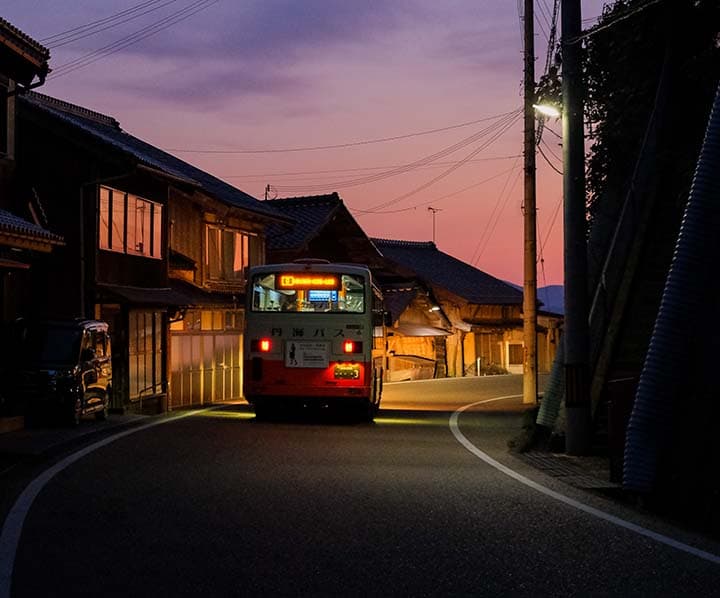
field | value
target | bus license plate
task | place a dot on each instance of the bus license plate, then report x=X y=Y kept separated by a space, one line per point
x=306 y=354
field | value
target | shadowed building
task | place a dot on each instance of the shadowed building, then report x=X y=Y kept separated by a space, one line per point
x=480 y=314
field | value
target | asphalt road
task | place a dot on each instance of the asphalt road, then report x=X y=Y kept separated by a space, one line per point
x=219 y=504
x=449 y=394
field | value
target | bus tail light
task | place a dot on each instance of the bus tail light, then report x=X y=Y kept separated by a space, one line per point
x=352 y=346
x=262 y=345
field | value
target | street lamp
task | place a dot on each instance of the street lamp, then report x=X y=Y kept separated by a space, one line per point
x=547 y=110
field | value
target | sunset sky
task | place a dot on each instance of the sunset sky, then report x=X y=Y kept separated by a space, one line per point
x=420 y=96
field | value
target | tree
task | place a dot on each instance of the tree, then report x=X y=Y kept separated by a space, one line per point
x=625 y=56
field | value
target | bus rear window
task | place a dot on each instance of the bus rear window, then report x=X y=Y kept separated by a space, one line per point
x=271 y=292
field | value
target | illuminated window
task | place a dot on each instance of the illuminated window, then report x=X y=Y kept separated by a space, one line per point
x=209 y=320
x=104 y=229
x=227 y=253
x=145 y=353
x=129 y=224
x=326 y=293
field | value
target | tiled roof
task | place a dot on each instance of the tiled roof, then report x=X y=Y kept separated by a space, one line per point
x=442 y=270
x=9 y=223
x=309 y=214
x=8 y=28
x=396 y=300
x=107 y=130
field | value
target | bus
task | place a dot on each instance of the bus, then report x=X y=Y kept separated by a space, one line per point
x=314 y=336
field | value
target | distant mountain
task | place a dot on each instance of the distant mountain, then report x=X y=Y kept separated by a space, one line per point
x=552 y=297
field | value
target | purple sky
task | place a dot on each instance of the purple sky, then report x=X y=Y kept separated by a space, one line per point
x=279 y=74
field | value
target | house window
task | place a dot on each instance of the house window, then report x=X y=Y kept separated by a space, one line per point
x=209 y=321
x=227 y=253
x=515 y=354
x=145 y=353
x=129 y=224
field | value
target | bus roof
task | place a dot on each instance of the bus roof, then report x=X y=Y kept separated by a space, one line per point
x=312 y=267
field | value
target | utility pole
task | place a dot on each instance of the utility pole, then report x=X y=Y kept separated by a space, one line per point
x=530 y=216
x=434 y=211
x=577 y=396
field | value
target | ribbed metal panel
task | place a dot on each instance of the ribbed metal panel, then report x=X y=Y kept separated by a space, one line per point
x=685 y=293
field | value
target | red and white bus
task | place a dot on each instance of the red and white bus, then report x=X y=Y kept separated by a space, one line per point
x=314 y=335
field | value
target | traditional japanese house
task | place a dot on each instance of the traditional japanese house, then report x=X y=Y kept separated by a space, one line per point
x=152 y=243
x=25 y=238
x=464 y=320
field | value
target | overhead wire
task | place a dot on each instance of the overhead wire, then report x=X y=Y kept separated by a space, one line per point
x=558 y=205
x=434 y=200
x=105 y=24
x=491 y=225
x=89 y=25
x=313 y=148
x=540 y=258
x=506 y=126
x=631 y=11
x=494 y=210
x=410 y=166
x=549 y=163
x=133 y=38
x=267 y=175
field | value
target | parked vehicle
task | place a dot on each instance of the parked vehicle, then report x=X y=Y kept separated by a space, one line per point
x=64 y=370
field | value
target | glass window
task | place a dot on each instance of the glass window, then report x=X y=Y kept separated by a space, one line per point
x=145 y=353
x=227 y=254
x=209 y=320
x=104 y=232
x=100 y=344
x=157 y=230
x=117 y=234
x=139 y=226
x=213 y=254
x=49 y=346
x=129 y=224
x=348 y=295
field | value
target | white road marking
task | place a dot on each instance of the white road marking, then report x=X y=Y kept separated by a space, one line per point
x=713 y=558
x=12 y=528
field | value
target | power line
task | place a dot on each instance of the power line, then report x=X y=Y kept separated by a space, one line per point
x=480 y=242
x=110 y=22
x=133 y=38
x=613 y=21
x=550 y=164
x=102 y=21
x=265 y=176
x=407 y=167
x=434 y=200
x=336 y=145
x=558 y=205
x=493 y=224
x=472 y=154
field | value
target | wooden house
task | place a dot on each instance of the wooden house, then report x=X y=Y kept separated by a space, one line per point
x=454 y=318
x=449 y=319
x=121 y=205
x=322 y=227
x=25 y=238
